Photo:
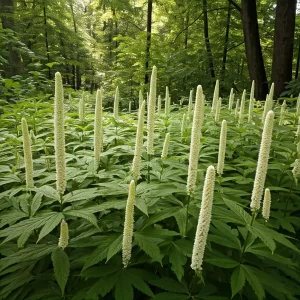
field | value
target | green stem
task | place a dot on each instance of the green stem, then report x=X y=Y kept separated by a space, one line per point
x=187 y=214
x=61 y=202
x=149 y=168
x=288 y=200
x=161 y=170
x=247 y=237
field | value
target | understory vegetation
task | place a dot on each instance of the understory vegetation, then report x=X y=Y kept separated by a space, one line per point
x=65 y=241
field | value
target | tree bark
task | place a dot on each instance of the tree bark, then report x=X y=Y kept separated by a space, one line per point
x=7 y=8
x=207 y=42
x=298 y=62
x=148 y=43
x=225 y=49
x=46 y=37
x=283 y=44
x=253 y=48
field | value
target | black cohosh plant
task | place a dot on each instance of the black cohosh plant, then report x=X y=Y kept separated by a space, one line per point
x=98 y=219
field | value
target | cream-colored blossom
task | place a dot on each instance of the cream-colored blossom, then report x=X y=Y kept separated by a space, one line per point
x=237 y=106
x=27 y=155
x=165 y=149
x=128 y=225
x=218 y=110
x=215 y=97
x=167 y=102
x=195 y=141
x=136 y=163
x=140 y=98
x=116 y=103
x=158 y=105
x=59 y=135
x=242 y=108
x=266 y=205
x=262 y=164
x=296 y=169
x=298 y=106
x=298 y=128
x=271 y=94
x=183 y=125
x=282 y=112
x=81 y=108
x=251 y=102
x=298 y=149
x=151 y=112
x=204 y=219
x=64 y=235
x=222 y=148
x=98 y=129
x=190 y=107
x=231 y=99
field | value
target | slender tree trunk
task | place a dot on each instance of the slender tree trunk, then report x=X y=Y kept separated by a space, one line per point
x=7 y=8
x=253 y=48
x=283 y=44
x=207 y=42
x=225 y=49
x=298 y=61
x=76 y=82
x=148 y=43
x=46 y=37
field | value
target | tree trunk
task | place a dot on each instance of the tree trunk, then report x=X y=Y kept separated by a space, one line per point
x=7 y=8
x=298 y=62
x=207 y=43
x=283 y=44
x=148 y=43
x=46 y=37
x=253 y=48
x=225 y=49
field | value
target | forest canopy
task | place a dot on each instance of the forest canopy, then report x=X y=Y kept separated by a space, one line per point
x=97 y=43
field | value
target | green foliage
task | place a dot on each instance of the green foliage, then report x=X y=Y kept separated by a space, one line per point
x=245 y=257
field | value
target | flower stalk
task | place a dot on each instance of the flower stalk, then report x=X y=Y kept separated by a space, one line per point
x=59 y=135
x=222 y=148
x=98 y=129
x=266 y=205
x=27 y=155
x=262 y=164
x=136 y=163
x=204 y=220
x=64 y=235
x=128 y=225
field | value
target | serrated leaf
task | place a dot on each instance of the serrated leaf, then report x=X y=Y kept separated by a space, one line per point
x=61 y=267
x=83 y=214
x=180 y=217
x=238 y=210
x=267 y=240
x=23 y=238
x=103 y=286
x=114 y=248
x=162 y=215
x=237 y=280
x=50 y=225
x=84 y=194
x=168 y=284
x=25 y=225
x=101 y=251
x=178 y=260
x=107 y=205
x=11 y=217
x=224 y=233
x=141 y=205
x=223 y=262
x=138 y=282
x=254 y=281
x=148 y=246
x=35 y=203
x=30 y=253
x=123 y=290
x=49 y=192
